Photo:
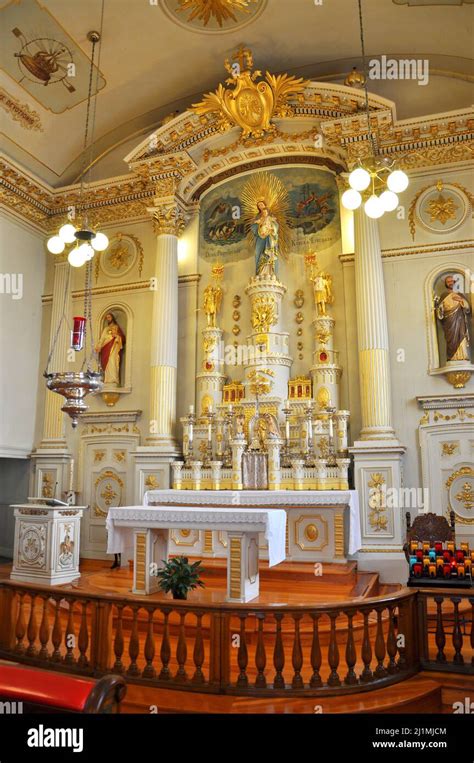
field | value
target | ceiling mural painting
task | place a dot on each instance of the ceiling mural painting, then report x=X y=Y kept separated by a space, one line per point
x=213 y=15
x=41 y=57
x=312 y=216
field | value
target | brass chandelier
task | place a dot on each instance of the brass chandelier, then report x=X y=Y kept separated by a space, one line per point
x=377 y=177
x=85 y=235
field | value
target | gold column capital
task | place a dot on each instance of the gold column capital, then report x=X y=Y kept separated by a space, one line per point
x=171 y=215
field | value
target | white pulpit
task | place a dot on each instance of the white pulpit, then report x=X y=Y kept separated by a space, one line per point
x=46 y=545
x=148 y=529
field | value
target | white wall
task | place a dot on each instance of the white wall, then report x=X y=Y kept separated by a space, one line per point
x=22 y=271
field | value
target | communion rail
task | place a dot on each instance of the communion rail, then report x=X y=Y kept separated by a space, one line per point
x=248 y=649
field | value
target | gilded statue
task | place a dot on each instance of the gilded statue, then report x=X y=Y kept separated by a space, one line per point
x=212 y=303
x=452 y=310
x=265 y=204
x=322 y=288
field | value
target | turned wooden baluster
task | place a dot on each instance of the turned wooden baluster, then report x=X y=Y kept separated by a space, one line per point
x=260 y=654
x=279 y=655
x=70 y=636
x=57 y=633
x=458 y=659
x=351 y=655
x=333 y=653
x=20 y=627
x=198 y=653
x=181 y=649
x=297 y=655
x=472 y=630
x=118 y=641
x=83 y=641
x=366 y=651
x=440 y=634
x=242 y=654
x=316 y=657
x=391 y=641
x=134 y=645
x=165 y=651
x=149 y=651
x=380 y=671
x=44 y=631
x=32 y=630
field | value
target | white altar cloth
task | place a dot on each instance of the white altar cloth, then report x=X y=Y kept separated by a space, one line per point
x=122 y=521
x=261 y=499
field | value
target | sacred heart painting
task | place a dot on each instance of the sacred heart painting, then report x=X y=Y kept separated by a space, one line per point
x=39 y=54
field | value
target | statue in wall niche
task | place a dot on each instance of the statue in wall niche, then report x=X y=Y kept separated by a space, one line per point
x=212 y=303
x=452 y=310
x=110 y=348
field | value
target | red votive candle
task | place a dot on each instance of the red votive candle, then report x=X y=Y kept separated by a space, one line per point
x=446 y=556
x=438 y=547
x=77 y=339
x=419 y=554
x=459 y=556
x=417 y=569
x=447 y=570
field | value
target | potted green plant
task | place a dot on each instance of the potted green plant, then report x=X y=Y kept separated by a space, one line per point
x=179 y=577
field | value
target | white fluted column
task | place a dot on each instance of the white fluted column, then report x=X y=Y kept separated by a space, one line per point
x=54 y=419
x=372 y=332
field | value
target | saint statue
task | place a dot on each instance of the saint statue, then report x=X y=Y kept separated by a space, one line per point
x=212 y=303
x=452 y=310
x=265 y=205
x=110 y=347
x=322 y=291
x=265 y=229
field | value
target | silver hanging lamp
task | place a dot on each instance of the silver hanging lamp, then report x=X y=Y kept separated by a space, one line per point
x=74 y=386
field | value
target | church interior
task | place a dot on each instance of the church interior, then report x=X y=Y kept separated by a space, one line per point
x=237 y=462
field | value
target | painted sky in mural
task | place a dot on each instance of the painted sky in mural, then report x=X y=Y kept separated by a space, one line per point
x=313 y=219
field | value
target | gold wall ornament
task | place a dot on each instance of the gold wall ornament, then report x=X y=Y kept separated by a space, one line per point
x=299 y=298
x=236 y=301
x=113 y=483
x=251 y=102
x=47 y=485
x=264 y=313
x=449 y=448
x=215 y=13
x=259 y=383
x=236 y=315
x=442 y=209
x=99 y=456
x=378 y=519
x=466 y=495
x=236 y=330
x=323 y=335
x=323 y=398
x=299 y=317
x=355 y=78
x=458 y=379
x=151 y=482
x=110 y=398
x=425 y=419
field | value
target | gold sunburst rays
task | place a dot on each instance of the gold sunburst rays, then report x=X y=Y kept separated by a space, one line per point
x=220 y=10
x=263 y=186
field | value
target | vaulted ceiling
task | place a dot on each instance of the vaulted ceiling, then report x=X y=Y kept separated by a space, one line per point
x=156 y=60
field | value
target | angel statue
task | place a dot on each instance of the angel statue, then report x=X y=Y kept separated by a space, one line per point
x=265 y=205
x=212 y=303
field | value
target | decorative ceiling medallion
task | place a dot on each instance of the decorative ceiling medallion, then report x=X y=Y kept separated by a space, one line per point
x=41 y=56
x=440 y=208
x=213 y=16
x=252 y=102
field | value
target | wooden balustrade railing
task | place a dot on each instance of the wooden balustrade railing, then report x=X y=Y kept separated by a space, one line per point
x=246 y=649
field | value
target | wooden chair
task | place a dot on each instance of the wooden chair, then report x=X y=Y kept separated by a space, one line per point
x=429 y=527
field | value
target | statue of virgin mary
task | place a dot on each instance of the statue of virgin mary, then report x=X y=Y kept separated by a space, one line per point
x=268 y=230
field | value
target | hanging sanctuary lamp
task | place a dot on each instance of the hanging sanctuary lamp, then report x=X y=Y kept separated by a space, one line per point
x=74 y=386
